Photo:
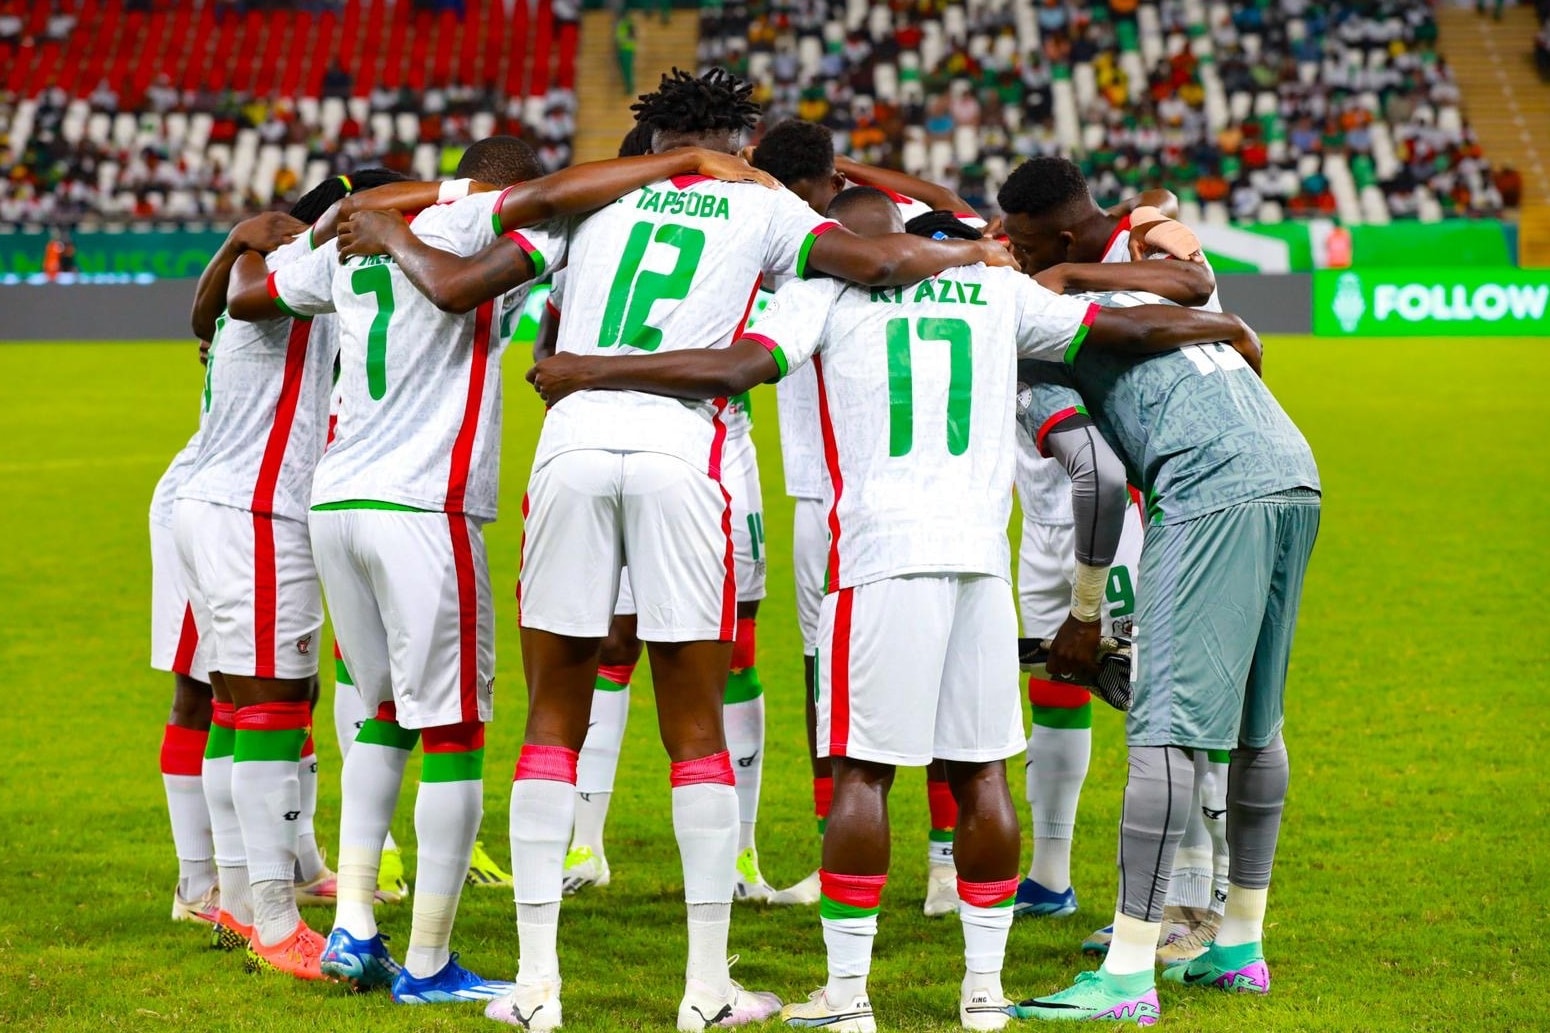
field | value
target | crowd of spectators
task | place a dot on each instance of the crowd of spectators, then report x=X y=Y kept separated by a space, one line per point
x=167 y=168
x=1298 y=82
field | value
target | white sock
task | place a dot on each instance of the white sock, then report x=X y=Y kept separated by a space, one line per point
x=446 y=820
x=350 y=714
x=1212 y=776
x=226 y=837
x=1244 y=920
x=598 y=762
x=191 y=836
x=370 y=782
x=543 y=810
x=309 y=859
x=705 y=823
x=985 y=931
x=1058 y=759
x=275 y=915
x=591 y=815
x=744 y=723
x=848 y=943
x=1190 y=885
x=1134 y=947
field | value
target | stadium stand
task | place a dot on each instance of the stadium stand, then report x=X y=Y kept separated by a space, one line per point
x=1249 y=111
x=115 y=110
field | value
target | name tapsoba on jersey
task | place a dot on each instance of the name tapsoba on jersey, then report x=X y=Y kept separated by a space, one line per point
x=1197 y=430
x=265 y=408
x=419 y=420
x=689 y=255
x=916 y=391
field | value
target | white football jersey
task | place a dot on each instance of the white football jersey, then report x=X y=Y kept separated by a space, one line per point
x=267 y=387
x=419 y=421
x=796 y=398
x=173 y=477
x=670 y=267
x=916 y=401
x=1043 y=486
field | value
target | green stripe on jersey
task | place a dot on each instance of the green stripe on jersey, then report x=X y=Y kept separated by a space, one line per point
x=807 y=246
x=391 y=507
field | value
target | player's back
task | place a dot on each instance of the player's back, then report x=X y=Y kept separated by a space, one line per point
x=669 y=267
x=265 y=409
x=420 y=389
x=916 y=402
x=1197 y=429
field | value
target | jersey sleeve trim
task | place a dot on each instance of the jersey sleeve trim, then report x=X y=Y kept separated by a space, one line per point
x=1054 y=421
x=1081 y=334
x=533 y=254
x=1123 y=226
x=775 y=352
x=807 y=246
x=279 y=302
x=495 y=213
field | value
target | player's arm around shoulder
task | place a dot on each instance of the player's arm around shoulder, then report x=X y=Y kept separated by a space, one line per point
x=299 y=285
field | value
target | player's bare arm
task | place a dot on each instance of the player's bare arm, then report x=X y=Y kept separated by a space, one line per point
x=695 y=373
x=247 y=294
x=898 y=258
x=451 y=282
x=1165 y=201
x=548 y=333
x=398 y=197
x=593 y=184
x=261 y=234
x=1147 y=329
x=1187 y=283
x=938 y=197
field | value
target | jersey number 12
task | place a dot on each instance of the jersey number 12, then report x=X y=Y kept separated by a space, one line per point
x=958 y=336
x=635 y=290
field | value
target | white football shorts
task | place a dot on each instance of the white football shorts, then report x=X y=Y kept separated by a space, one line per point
x=740 y=477
x=414 y=616
x=252 y=587
x=175 y=642
x=809 y=561
x=921 y=666
x=1046 y=565
x=590 y=511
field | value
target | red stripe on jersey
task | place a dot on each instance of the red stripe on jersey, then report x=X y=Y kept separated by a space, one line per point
x=1124 y=225
x=831 y=459
x=839 y=675
x=188 y=642
x=753 y=296
x=729 y=582
x=467 y=617
x=718 y=439
x=1135 y=496
x=688 y=180
x=265 y=596
x=463 y=446
x=284 y=416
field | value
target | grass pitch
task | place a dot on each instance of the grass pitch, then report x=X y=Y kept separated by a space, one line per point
x=1410 y=890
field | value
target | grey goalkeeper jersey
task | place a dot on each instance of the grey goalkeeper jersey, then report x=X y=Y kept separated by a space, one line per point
x=1197 y=430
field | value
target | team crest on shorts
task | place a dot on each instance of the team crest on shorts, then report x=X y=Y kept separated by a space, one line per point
x=304 y=645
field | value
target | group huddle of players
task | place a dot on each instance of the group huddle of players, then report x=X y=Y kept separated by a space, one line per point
x=926 y=364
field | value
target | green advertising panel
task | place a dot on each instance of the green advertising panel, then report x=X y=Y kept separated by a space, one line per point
x=165 y=255
x=1501 y=301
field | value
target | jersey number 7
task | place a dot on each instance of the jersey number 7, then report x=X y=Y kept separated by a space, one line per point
x=378 y=281
x=958 y=336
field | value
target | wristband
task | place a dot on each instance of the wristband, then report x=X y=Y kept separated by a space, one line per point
x=452 y=190
x=1087 y=591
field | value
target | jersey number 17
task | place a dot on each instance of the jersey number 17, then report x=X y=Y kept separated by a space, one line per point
x=901 y=338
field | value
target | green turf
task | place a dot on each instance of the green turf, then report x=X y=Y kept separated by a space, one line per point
x=1410 y=893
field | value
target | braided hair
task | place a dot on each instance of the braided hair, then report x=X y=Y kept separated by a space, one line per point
x=685 y=103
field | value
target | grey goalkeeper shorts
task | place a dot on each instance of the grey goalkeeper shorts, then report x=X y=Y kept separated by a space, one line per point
x=1216 y=611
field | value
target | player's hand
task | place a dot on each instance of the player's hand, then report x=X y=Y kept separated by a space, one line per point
x=1073 y=655
x=994 y=253
x=1053 y=278
x=1247 y=344
x=369 y=233
x=204 y=353
x=559 y=376
x=266 y=231
x=731 y=168
x=995 y=229
x=1167 y=236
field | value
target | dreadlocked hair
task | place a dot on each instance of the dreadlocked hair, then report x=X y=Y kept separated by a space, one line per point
x=687 y=103
x=309 y=207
